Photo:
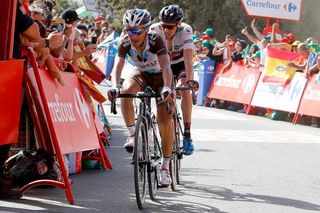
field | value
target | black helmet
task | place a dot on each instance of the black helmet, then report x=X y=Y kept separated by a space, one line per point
x=171 y=14
x=136 y=17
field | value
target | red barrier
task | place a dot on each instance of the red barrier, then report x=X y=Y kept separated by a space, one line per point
x=236 y=84
x=10 y=94
x=69 y=120
x=310 y=101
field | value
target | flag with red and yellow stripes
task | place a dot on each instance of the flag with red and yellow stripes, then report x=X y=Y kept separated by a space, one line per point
x=276 y=70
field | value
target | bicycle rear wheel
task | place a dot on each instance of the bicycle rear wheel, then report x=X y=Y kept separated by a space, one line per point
x=179 y=156
x=140 y=163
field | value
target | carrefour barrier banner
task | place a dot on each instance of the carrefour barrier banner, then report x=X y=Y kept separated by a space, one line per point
x=10 y=104
x=206 y=70
x=276 y=70
x=274 y=96
x=236 y=84
x=70 y=112
x=310 y=102
x=277 y=9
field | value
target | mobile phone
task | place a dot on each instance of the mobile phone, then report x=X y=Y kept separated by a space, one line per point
x=93 y=40
x=60 y=27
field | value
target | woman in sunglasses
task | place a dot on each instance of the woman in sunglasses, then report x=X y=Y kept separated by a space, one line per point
x=152 y=68
x=179 y=42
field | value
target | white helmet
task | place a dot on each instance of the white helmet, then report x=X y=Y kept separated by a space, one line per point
x=136 y=17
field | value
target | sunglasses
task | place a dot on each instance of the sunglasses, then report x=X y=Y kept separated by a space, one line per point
x=169 y=27
x=134 y=31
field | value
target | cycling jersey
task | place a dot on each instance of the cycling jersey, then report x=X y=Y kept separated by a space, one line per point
x=182 y=40
x=148 y=61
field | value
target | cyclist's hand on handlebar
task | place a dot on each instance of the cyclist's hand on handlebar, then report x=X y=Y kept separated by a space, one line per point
x=167 y=94
x=113 y=94
x=193 y=84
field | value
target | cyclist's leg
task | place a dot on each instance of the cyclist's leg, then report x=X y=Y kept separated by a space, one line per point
x=164 y=121
x=132 y=84
x=186 y=108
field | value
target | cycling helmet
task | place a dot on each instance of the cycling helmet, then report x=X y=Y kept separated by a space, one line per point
x=171 y=14
x=136 y=17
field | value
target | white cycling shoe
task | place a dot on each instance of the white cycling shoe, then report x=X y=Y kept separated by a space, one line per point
x=165 y=179
x=129 y=144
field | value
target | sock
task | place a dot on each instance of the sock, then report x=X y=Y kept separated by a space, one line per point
x=187 y=133
x=165 y=163
x=132 y=130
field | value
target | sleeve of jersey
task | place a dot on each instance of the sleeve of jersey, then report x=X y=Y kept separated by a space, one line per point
x=160 y=48
x=187 y=35
x=122 y=52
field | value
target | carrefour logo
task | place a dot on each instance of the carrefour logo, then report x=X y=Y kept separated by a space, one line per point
x=291 y=7
x=82 y=108
x=248 y=83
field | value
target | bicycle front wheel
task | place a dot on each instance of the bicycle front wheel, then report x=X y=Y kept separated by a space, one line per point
x=140 y=163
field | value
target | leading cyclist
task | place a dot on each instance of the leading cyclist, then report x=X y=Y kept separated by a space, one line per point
x=178 y=39
x=152 y=68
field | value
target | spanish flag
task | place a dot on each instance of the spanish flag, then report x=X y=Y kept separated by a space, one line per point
x=276 y=70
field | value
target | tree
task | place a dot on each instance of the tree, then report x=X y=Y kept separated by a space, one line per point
x=224 y=16
x=65 y=4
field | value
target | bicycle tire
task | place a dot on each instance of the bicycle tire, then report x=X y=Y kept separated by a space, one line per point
x=178 y=147
x=173 y=160
x=139 y=161
x=153 y=172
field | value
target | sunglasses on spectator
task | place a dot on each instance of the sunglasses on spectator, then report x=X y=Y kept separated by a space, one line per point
x=167 y=26
x=134 y=31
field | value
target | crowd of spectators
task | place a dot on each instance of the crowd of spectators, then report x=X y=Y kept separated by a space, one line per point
x=56 y=39
x=252 y=53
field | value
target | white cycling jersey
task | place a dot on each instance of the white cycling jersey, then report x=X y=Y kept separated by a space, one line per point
x=182 y=40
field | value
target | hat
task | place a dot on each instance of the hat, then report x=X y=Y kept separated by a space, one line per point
x=206 y=43
x=209 y=32
x=232 y=43
x=242 y=43
x=268 y=37
x=70 y=15
x=290 y=37
x=296 y=43
x=257 y=55
x=255 y=47
x=82 y=27
x=196 y=39
x=205 y=37
x=35 y=9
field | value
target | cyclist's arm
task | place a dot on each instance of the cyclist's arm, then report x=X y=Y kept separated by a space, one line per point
x=187 y=54
x=164 y=62
x=117 y=70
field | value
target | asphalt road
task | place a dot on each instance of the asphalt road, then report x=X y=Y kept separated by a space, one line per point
x=242 y=164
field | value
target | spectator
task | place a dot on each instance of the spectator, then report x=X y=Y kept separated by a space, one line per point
x=210 y=32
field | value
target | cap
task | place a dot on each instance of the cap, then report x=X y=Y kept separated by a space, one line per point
x=206 y=43
x=254 y=46
x=70 y=15
x=290 y=37
x=205 y=37
x=196 y=39
x=209 y=32
x=257 y=55
x=242 y=43
x=232 y=43
x=268 y=37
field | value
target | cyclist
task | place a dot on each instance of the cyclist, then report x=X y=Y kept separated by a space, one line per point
x=178 y=37
x=152 y=68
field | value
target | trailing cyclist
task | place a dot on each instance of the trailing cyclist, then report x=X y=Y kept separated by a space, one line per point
x=152 y=68
x=178 y=39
